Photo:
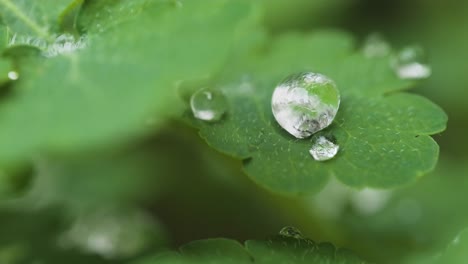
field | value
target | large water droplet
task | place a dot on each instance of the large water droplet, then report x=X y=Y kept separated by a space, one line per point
x=208 y=104
x=410 y=63
x=323 y=149
x=289 y=231
x=305 y=103
x=375 y=46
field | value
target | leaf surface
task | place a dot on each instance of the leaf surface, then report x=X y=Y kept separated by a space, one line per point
x=108 y=92
x=278 y=250
x=383 y=134
x=36 y=18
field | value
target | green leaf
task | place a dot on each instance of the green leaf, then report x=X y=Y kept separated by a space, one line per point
x=457 y=250
x=38 y=18
x=98 y=180
x=403 y=222
x=26 y=241
x=383 y=134
x=5 y=68
x=15 y=180
x=455 y=253
x=4 y=36
x=277 y=250
x=106 y=93
x=100 y=16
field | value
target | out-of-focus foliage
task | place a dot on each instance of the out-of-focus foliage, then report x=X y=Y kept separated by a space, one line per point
x=277 y=250
x=98 y=165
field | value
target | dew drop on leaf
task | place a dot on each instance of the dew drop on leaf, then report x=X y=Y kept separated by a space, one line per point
x=208 y=104
x=323 y=149
x=369 y=201
x=375 y=46
x=289 y=231
x=305 y=103
x=110 y=233
x=62 y=44
x=13 y=75
x=410 y=64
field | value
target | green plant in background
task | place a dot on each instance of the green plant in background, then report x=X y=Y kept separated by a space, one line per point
x=128 y=128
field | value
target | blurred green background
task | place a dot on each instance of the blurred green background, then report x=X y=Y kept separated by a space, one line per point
x=170 y=188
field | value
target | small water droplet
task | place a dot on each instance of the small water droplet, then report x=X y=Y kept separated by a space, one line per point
x=13 y=75
x=208 y=104
x=289 y=231
x=375 y=46
x=323 y=149
x=65 y=43
x=369 y=201
x=111 y=234
x=331 y=202
x=305 y=103
x=410 y=64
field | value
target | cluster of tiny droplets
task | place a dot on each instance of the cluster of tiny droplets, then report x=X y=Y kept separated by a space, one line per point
x=62 y=44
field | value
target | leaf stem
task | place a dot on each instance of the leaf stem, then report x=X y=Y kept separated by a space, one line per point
x=26 y=20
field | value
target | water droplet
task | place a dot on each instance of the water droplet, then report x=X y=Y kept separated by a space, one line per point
x=111 y=233
x=208 y=104
x=410 y=64
x=370 y=201
x=331 y=202
x=65 y=43
x=323 y=149
x=375 y=46
x=305 y=103
x=290 y=231
x=13 y=75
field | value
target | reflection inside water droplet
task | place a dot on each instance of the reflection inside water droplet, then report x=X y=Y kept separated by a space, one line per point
x=410 y=63
x=305 y=103
x=289 y=231
x=323 y=149
x=208 y=104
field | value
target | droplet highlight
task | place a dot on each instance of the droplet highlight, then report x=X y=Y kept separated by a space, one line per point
x=410 y=64
x=323 y=149
x=62 y=44
x=375 y=46
x=111 y=234
x=305 y=103
x=290 y=231
x=13 y=75
x=208 y=104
